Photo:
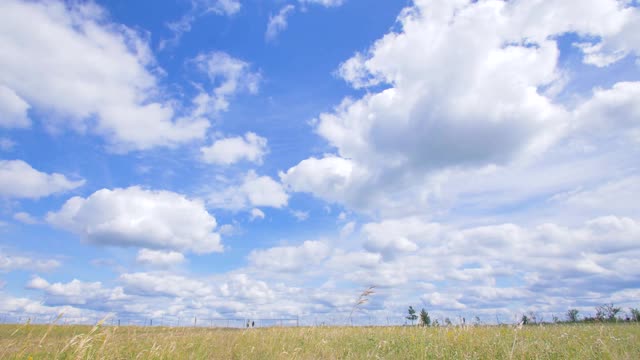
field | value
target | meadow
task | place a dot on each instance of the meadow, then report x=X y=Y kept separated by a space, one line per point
x=561 y=341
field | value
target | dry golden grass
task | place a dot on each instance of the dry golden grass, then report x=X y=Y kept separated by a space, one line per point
x=595 y=341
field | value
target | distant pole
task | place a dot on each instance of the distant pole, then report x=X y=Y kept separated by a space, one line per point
x=195 y=321
x=297 y=320
x=118 y=322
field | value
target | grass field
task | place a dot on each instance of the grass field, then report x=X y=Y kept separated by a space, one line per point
x=583 y=341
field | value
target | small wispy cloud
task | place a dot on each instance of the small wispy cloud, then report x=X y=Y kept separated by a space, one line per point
x=300 y=215
x=278 y=22
x=198 y=9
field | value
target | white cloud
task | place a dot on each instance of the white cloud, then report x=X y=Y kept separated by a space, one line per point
x=550 y=268
x=10 y=262
x=76 y=292
x=222 y=7
x=434 y=112
x=278 y=23
x=611 y=113
x=326 y=3
x=88 y=74
x=159 y=258
x=253 y=191
x=19 y=180
x=164 y=284
x=231 y=150
x=198 y=9
x=347 y=229
x=22 y=305
x=25 y=218
x=138 y=217
x=290 y=258
x=13 y=109
x=228 y=76
x=257 y=214
x=328 y=177
x=300 y=215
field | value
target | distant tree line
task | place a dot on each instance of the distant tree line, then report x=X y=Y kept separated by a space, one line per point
x=604 y=313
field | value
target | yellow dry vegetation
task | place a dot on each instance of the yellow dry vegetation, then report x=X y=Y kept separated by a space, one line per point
x=567 y=341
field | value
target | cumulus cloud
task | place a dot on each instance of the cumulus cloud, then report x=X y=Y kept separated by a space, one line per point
x=110 y=90
x=163 y=284
x=13 y=109
x=290 y=258
x=9 y=262
x=141 y=218
x=550 y=267
x=432 y=109
x=228 y=76
x=231 y=150
x=19 y=180
x=253 y=191
x=75 y=292
x=159 y=258
x=612 y=113
x=257 y=214
x=278 y=23
x=329 y=177
x=26 y=218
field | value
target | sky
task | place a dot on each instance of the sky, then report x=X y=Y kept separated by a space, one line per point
x=274 y=158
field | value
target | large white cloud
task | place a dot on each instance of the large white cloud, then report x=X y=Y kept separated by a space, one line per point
x=463 y=87
x=19 y=180
x=87 y=73
x=231 y=150
x=500 y=269
x=611 y=114
x=139 y=217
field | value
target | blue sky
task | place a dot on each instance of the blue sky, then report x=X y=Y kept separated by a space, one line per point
x=273 y=158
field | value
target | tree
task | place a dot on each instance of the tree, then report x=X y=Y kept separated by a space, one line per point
x=524 y=320
x=572 y=315
x=607 y=312
x=635 y=314
x=425 y=320
x=412 y=315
